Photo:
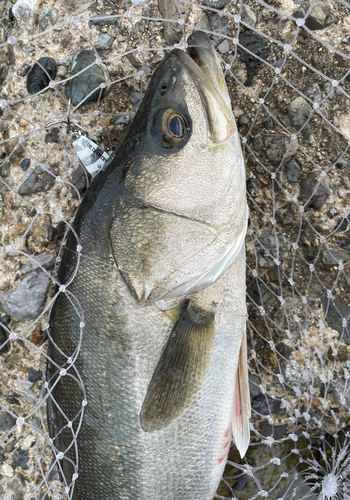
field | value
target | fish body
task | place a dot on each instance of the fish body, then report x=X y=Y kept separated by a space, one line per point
x=150 y=324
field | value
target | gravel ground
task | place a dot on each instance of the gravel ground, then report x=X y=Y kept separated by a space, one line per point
x=290 y=96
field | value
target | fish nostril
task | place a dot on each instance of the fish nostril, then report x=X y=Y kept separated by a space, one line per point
x=162 y=92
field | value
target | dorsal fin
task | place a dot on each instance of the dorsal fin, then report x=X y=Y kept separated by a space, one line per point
x=181 y=368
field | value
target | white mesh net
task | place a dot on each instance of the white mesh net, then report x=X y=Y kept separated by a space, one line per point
x=287 y=70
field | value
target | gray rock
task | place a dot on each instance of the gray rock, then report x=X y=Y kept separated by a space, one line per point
x=79 y=180
x=313 y=92
x=172 y=30
x=104 y=42
x=2 y=454
x=248 y=15
x=254 y=383
x=335 y=310
x=103 y=20
x=16 y=488
x=65 y=62
x=138 y=3
x=4 y=335
x=257 y=144
x=252 y=187
x=279 y=147
x=332 y=212
x=259 y=46
x=217 y=4
x=24 y=70
x=5 y=169
x=333 y=257
x=219 y=25
x=45 y=261
x=89 y=80
x=242 y=120
x=298 y=113
x=28 y=299
x=136 y=98
x=46 y=17
x=34 y=375
x=328 y=89
x=54 y=474
x=340 y=192
x=21 y=457
x=320 y=17
x=122 y=119
x=6 y=422
x=271 y=247
x=345 y=181
x=257 y=295
x=37 y=180
x=294 y=376
x=314 y=191
x=293 y=171
x=342 y=224
x=276 y=431
x=25 y=164
x=266 y=405
x=224 y=47
x=342 y=163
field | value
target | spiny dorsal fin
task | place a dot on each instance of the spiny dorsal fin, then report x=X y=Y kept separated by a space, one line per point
x=242 y=408
x=181 y=368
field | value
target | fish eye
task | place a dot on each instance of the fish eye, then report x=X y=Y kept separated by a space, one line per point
x=169 y=128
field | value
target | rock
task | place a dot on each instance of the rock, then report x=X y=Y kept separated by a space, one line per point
x=65 y=62
x=5 y=169
x=103 y=20
x=121 y=119
x=257 y=144
x=343 y=353
x=242 y=120
x=342 y=224
x=79 y=180
x=24 y=70
x=47 y=16
x=335 y=310
x=298 y=113
x=37 y=78
x=266 y=405
x=333 y=258
x=332 y=212
x=219 y=25
x=37 y=180
x=248 y=15
x=284 y=349
x=341 y=163
x=257 y=295
x=21 y=457
x=2 y=454
x=53 y=135
x=320 y=16
x=254 y=384
x=54 y=474
x=252 y=187
x=313 y=92
x=216 y=4
x=138 y=3
x=279 y=147
x=340 y=192
x=16 y=488
x=293 y=171
x=25 y=12
x=259 y=46
x=294 y=376
x=28 y=299
x=34 y=375
x=136 y=98
x=4 y=335
x=45 y=261
x=172 y=30
x=224 y=47
x=345 y=182
x=7 y=471
x=314 y=191
x=86 y=82
x=276 y=431
x=25 y=164
x=328 y=89
x=104 y=42
x=271 y=247
x=6 y=422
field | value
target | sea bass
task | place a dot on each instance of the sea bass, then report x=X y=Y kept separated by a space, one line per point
x=147 y=354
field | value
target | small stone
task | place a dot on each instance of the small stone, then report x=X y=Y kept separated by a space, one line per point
x=340 y=192
x=138 y=3
x=313 y=92
x=320 y=17
x=284 y=349
x=54 y=474
x=62 y=72
x=65 y=62
x=254 y=383
x=121 y=119
x=259 y=46
x=332 y=212
x=248 y=15
x=272 y=247
x=4 y=345
x=345 y=182
x=89 y=80
x=103 y=20
x=37 y=79
x=333 y=257
x=46 y=17
x=279 y=147
x=2 y=454
x=34 y=375
x=343 y=354
x=242 y=120
x=53 y=135
x=136 y=98
x=25 y=164
x=6 y=422
x=257 y=295
x=335 y=310
x=220 y=25
x=45 y=261
x=104 y=42
x=216 y=4
x=252 y=187
x=265 y=405
x=293 y=171
x=25 y=12
x=257 y=144
x=37 y=180
x=79 y=180
x=224 y=47
x=21 y=457
x=28 y=299
x=6 y=470
x=16 y=488
x=314 y=187
x=341 y=163
x=24 y=70
x=328 y=89
x=298 y=113
x=276 y=431
x=5 y=169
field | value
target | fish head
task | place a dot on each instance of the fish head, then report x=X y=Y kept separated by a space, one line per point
x=187 y=163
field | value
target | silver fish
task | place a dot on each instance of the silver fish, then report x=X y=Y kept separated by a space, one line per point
x=150 y=329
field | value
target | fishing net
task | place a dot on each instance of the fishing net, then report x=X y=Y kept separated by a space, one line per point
x=287 y=69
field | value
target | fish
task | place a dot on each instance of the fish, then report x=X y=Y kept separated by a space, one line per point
x=147 y=373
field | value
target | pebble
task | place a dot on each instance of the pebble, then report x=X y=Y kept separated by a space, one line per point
x=328 y=88
x=5 y=169
x=37 y=180
x=16 y=488
x=320 y=17
x=276 y=431
x=47 y=16
x=53 y=135
x=4 y=335
x=54 y=474
x=257 y=144
x=340 y=192
x=219 y=25
x=224 y=47
x=259 y=46
x=257 y=295
x=37 y=79
x=254 y=383
x=80 y=87
x=2 y=454
x=216 y=4
x=311 y=187
x=24 y=70
x=45 y=261
x=242 y=120
x=104 y=42
x=103 y=20
x=271 y=247
x=138 y=3
x=278 y=147
x=293 y=171
x=294 y=377
x=34 y=375
x=136 y=98
x=25 y=12
x=343 y=353
x=333 y=257
x=21 y=457
x=7 y=471
x=65 y=62
x=332 y=212
x=121 y=119
x=79 y=180
x=345 y=182
x=298 y=113
x=252 y=187
x=6 y=421
x=25 y=164
x=335 y=309
x=313 y=92
x=28 y=299
x=265 y=405
x=248 y=15
x=341 y=163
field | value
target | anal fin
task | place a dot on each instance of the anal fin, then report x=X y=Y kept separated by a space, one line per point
x=181 y=369
x=242 y=408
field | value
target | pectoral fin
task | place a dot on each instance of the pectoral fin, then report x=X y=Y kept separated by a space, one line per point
x=242 y=409
x=181 y=368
